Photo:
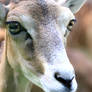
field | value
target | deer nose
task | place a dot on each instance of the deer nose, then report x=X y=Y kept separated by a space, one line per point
x=66 y=82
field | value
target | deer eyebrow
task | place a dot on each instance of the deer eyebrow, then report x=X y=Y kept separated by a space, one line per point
x=9 y=22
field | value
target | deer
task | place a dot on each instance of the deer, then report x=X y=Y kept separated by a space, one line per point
x=34 y=48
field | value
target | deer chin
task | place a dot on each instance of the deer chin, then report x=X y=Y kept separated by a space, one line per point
x=50 y=84
x=46 y=81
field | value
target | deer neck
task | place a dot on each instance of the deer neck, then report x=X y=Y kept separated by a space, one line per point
x=11 y=80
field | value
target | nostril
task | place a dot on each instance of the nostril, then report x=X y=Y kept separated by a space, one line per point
x=66 y=82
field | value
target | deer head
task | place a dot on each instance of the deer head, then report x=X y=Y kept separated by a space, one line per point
x=36 y=31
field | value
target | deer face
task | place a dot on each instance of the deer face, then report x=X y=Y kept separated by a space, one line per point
x=36 y=34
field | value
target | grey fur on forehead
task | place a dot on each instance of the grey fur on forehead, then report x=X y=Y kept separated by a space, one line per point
x=44 y=6
x=40 y=10
x=44 y=12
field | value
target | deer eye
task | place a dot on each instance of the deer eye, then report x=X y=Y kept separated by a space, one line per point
x=14 y=27
x=71 y=23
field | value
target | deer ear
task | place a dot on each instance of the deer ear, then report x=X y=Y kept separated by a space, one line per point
x=3 y=14
x=74 y=5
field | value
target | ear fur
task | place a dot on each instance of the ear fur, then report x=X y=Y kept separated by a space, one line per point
x=3 y=14
x=74 y=5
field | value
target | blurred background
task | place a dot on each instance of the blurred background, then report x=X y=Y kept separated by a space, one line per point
x=79 y=47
